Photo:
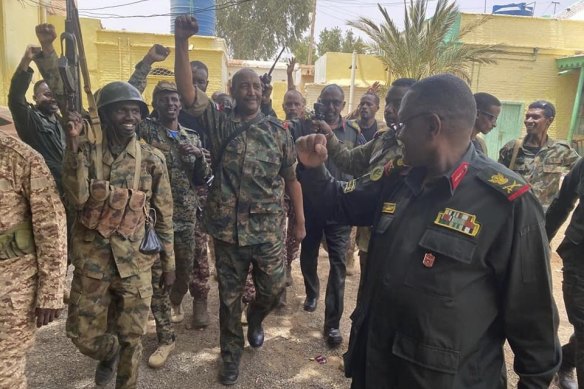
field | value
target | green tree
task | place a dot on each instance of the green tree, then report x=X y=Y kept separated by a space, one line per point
x=425 y=46
x=257 y=29
x=331 y=40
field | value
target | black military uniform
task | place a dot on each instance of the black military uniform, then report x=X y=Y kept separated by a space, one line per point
x=572 y=252
x=456 y=266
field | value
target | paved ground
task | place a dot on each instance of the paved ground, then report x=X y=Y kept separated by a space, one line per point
x=293 y=338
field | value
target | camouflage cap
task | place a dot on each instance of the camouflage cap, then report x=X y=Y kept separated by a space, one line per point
x=163 y=86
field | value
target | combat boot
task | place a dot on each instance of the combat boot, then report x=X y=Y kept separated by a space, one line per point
x=105 y=370
x=566 y=379
x=176 y=313
x=229 y=373
x=159 y=357
x=200 y=314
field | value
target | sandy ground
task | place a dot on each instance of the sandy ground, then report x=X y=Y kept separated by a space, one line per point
x=293 y=338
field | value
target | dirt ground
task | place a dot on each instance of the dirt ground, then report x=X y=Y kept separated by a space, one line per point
x=293 y=338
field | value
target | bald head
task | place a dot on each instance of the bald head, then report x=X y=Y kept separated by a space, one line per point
x=293 y=104
x=242 y=74
x=445 y=95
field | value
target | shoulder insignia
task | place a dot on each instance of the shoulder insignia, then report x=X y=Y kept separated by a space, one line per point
x=376 y=173
x=511 y=187
x=388 y=208
x=458 y=221
x=393 y=164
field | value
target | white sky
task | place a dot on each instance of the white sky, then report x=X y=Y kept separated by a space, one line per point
x=330 y=13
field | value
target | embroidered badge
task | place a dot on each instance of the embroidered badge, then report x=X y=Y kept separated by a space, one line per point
x=388 y=208
x=428 y=260
x=458 y=221
x=498 y=179
x=350 y=186
x=376 y=173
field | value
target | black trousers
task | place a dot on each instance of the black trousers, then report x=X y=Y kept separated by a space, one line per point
x=337 y=240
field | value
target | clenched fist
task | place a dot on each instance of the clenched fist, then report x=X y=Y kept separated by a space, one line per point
x=46 y=34
x=311 y=150
x=185 y=26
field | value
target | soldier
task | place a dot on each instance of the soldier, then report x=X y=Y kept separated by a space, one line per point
x=38 y=125
x=111 y=270
x=185 y=162
x=488 y=110
x=448 y=279
x=571 y=252
x=253 y=163
x=540 y=159
x=372 y=156
x=33 y=251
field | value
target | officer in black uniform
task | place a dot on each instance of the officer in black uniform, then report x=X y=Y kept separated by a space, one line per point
x=572 y=251
x=458 y=260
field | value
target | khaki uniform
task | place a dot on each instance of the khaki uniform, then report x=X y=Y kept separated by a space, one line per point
x=182 y=170
x=112 y=274
x=33 y=253
x=244 y=214
x=544 y=169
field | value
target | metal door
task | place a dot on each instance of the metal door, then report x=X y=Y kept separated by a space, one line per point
x=509 y=126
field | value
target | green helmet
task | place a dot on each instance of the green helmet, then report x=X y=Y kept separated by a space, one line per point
x=119 y=91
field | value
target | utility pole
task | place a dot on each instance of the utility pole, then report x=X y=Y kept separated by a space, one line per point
x=555 y=3
x=311 y=42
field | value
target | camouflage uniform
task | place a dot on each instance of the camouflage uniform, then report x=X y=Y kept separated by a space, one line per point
x=32 y=258
x=359 y=161
x=544 y=169
x=112 y=273
x=243 y=214
x=181 y=170
x=199 y=285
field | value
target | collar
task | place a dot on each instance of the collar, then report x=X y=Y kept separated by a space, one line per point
x=452 y=178
x=255 y=120
x=130 y=149
x=548 y=143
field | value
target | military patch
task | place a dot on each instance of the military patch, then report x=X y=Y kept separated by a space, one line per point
x=458 y=221
x=428 y=260
x=509 y=186
x=376 y=173
x=388 y=208
x=351 y=185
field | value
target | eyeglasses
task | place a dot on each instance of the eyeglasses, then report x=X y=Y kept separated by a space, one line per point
x=336 y=103
x=491 y=117
x=401 y=125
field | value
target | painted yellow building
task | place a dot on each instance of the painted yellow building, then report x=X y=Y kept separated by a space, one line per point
x=111 y=55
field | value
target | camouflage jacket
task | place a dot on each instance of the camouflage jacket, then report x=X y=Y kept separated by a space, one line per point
x=91 y=252
x=245 y=203
x=544 y=169
x=349 y=133
x=29 y=196
x=138 y=78
x=184 y=171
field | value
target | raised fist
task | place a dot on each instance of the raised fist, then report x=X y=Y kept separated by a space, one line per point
x=46 y=34
x=185 y=26
x=31 y=52
x=157 y=53
x=311 y=150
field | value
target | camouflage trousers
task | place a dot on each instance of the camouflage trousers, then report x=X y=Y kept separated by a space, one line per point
x=290 y=250
x=269 y=277
x=199 y=285
x=184 y=252
x=17 y=327
x=160 y=306
x=100 y=335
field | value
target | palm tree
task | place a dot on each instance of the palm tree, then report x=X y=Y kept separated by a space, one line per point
x=425 y=46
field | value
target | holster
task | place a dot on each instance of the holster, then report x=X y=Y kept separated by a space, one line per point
x=99 y=191
x=135 y=214
x=113 y=212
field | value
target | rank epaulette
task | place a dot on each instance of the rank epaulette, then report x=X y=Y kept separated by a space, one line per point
x=277 y=122
x=393 y=165
x=511 y=187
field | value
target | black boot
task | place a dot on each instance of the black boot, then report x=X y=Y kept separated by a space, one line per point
x=229 y=373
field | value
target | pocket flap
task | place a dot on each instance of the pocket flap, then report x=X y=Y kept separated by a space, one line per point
x=118 y=198
x=137 y=200
x=145 y=291
x=99 y=190
x=264 y=208
x=448 y=244
x=430 y=357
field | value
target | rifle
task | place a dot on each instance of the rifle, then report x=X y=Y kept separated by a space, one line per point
x=72 y=68
x=267 y=78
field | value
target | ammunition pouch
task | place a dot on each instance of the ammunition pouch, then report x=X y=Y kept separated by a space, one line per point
x=135 y=215
x=113 y=212
x=99 y=192
x=17 y=242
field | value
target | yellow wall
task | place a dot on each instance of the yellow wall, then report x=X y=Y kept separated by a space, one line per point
x=528 y=72
x=335 y=68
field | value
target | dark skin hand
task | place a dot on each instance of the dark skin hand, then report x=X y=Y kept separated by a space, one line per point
x=45 y=315
x=188 y=149
x=46 y=35
x=167 y=280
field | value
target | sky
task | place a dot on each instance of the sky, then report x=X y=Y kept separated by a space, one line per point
x=330 y=13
